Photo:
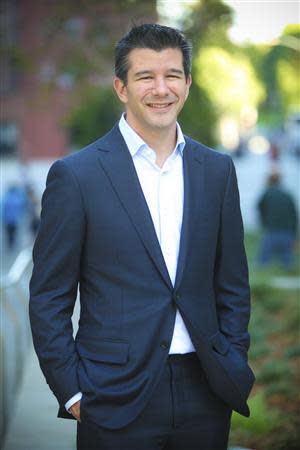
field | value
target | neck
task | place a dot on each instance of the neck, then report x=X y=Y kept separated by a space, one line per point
x=162 y=141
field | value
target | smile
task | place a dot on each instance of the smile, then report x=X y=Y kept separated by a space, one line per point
x=159 y=105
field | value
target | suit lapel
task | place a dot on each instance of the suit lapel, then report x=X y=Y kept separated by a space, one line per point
x=118 y=166
x=193 y=199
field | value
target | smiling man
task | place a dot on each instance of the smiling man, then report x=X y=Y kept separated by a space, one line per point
x=154 y=91
x=147 y=223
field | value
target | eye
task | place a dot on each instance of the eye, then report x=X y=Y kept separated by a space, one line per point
x=148 y=77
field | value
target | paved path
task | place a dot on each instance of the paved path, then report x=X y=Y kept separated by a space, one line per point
x=34 y=425
x=286 y=283
x=7 y=256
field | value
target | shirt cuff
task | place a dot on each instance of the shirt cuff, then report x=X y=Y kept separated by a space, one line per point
x=73 y=400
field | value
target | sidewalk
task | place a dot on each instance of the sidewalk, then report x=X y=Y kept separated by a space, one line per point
x=34 y=425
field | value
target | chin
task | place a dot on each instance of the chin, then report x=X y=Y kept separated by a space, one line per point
x=162 y=122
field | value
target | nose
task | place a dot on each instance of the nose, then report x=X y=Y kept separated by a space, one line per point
x=160 y=87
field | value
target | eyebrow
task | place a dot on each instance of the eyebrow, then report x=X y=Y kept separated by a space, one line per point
x=149 y=72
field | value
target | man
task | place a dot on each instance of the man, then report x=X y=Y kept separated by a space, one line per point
x=278 y=215
x=147 y=222
x=13 y=209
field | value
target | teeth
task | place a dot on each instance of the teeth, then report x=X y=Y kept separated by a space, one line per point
x=155 y=105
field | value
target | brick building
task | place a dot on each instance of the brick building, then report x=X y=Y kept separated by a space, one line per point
x=51 y=51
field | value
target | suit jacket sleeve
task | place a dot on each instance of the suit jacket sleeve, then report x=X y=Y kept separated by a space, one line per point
x=231 y=274
x=54 y=282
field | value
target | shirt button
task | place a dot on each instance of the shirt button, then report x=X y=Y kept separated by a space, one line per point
x=164 y=345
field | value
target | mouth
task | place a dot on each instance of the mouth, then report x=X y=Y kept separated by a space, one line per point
x=159 y=106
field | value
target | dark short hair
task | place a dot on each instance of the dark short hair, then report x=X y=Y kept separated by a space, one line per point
x=156 y=37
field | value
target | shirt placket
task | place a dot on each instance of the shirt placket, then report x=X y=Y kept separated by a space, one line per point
x=167 y=222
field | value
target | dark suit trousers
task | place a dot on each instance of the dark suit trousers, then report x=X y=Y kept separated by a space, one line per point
x=183 y=413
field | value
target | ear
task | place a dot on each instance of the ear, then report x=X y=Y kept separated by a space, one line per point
x=120 y=89
x=188 y=84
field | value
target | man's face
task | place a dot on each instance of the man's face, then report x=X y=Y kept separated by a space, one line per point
x=156 y=89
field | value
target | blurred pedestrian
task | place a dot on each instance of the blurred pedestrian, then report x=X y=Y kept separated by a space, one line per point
x=278 y=216
x=12 y=212
x=33 y=209
x=274 y=151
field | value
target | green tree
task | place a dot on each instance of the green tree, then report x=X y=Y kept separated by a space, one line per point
x=94 y=117
x=288 y=67
x=229 y=79
x=205 y=20
x=206 y=24
x=279 y=69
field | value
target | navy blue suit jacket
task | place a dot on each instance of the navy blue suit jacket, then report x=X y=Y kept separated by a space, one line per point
x=96 y=231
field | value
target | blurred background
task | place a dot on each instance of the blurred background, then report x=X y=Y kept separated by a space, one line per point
x=56 y=97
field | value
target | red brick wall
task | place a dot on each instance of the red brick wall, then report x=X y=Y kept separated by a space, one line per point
x=38 y=105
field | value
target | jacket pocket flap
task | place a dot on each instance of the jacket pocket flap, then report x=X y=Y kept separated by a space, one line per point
x=220 y=343
x=115 y=352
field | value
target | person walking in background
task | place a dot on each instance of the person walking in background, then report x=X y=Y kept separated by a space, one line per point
x=278 y=215
x=13 y=204
x=147 y=222
x=33 y=209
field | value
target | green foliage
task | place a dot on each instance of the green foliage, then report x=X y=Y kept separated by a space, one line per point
x=293 y=351
x=274 y=356
x=279 y=70
x=207 y=18
x=95 y=117
x=259 y=348
x=15 y=57
x=206 y=24
x=274 y=370
x=197 y=113
x=287 y=72
x=262 y=419
x=283 y=388
x=290 y=320
x=292 y=29
x=229 y=80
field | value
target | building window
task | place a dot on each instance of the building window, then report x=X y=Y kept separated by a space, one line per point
x=8 y=138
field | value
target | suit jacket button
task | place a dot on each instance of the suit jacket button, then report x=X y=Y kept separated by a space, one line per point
x=164 y=345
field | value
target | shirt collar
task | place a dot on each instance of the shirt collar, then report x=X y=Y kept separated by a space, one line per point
x=134 y=142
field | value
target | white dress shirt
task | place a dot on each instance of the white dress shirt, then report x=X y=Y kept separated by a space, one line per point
x=163 y=190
